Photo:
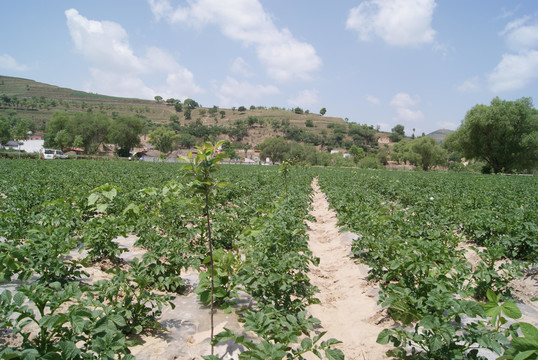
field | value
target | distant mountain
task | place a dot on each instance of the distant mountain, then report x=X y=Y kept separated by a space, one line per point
x=440 y=134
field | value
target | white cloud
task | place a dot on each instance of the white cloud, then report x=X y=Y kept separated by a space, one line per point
x=404 y=100
x=397 y=22
x=405 y=114
x=233 y=92
x=7 y=62
x=515 y=71
x=285 y=57
x=523 y=38
x=518 y=69
x=403 y=103
x=470 y=85
x=241 y=67
x=305 y=99
x=373 y=100
x=116 y=70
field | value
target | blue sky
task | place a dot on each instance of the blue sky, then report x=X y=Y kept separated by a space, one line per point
x=420 y=63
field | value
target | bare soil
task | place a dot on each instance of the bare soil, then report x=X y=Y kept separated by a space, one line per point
x=348 y=309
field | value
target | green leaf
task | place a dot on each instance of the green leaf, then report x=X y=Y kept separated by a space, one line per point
x=78 y=323
x=527 y=355
x=118 y=320
x=306 y=344
x=529 y=331
x=92 y=199
x=511 y=310
x=334 y=354
x=384 y=336
x=69 y=350
x=492 y=296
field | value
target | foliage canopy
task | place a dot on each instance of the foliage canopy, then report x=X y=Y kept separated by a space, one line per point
x=503 y=134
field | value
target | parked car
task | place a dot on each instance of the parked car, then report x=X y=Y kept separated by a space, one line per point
x=60 y=154
x=50 y=154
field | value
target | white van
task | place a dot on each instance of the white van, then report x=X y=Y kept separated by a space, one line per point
x=51 y=154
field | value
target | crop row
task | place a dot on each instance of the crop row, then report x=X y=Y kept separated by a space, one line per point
x=410 y=228
x=260 y=248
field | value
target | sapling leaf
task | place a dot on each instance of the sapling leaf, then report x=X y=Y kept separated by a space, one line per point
x=511 y=310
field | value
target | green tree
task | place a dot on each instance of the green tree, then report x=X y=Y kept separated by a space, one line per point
x=62 y=139
x=426 y=152
x=229 y=150
x=158 y=98
x=503 y=134
x=213 y=110
x=323 y=111
x=125 y=132
x=163 y=139
x=298 y=110
x=357 y=153
x=201 y=169
x=397 y=133
x=187 y=113
x=186 y=141
x=92 y=127
x=309 y=123
x=171 y=101
x=274 y=148
x=5 y=130
x=190 y=103
x=178 y=107
x=222 y=114
x=241 y=109
x=174 y=118
x=78 y=142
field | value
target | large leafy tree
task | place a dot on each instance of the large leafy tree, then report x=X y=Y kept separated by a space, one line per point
x=274 y=148
x=163 y=139
x=5 y=133
x=425 y=152
x=125 y=133
x=503 y=134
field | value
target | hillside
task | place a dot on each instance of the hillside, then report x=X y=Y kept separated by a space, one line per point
x=440 y=134
x=38 y=101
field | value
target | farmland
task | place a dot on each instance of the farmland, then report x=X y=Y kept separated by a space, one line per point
x=413 y=231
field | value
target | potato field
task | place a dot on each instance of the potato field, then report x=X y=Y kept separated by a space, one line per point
x=60 y=222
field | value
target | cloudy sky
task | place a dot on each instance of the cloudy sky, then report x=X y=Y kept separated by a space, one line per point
x=420 y=63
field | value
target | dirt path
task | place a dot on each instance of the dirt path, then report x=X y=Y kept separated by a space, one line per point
x=348 y=309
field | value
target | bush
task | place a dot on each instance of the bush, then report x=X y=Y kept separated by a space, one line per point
x=370 y=162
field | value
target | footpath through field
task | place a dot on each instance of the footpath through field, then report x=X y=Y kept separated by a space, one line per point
x=348 y=309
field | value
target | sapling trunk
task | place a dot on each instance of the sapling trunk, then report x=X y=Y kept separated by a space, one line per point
x=210 y=263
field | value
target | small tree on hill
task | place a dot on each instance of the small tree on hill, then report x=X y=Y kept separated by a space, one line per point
x=398 y=133
x=158 y=98
x=323 y=111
